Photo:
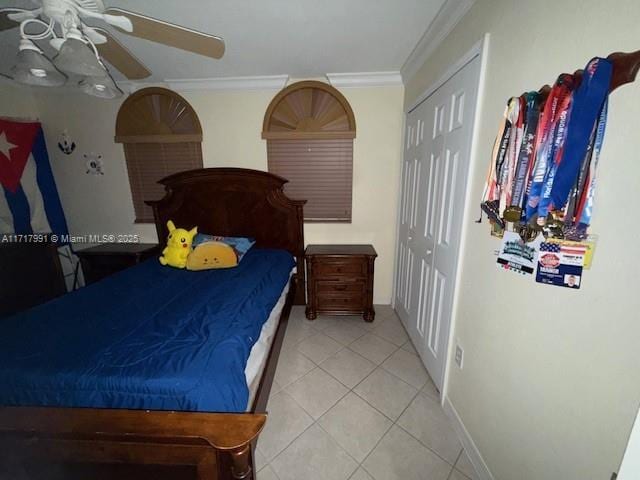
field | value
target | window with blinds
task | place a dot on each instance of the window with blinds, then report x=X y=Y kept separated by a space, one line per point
x=161 y=135
x=309 y=127
x=149 y=162
x=319 y=171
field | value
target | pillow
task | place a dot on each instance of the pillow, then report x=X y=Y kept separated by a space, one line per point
x=240 y=244
x=217 y=252
x=208 y=255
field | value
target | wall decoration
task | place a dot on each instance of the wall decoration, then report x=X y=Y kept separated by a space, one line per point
x=517 y=255
x=65 y=144
x=31 y=203
x=560 y=264
x=540 y=188
x=94 y=164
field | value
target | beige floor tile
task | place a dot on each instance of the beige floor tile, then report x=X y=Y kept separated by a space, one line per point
x=408 y=367
x=361 y=474
x=316 y=392
x=292 y=365
x=296 y=332
x=456 y=475
x=386 y=392
x=345 y=331
x=319 y=347
x=464 y=465
x=348 y=367
x=314 y=456
x=373 y=348
x=399 y=456
x=425 y=420
x=392 y=331
x=324 y=321
x=408 y=347
x=259 y=461
x=384 y=311
x=286 y=420
x=370 y=326
x=275 y=388
x=355 y=425
x=267 y=473
x=430 y=390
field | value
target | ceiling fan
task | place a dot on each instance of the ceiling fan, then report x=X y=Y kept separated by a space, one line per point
x=81 y=48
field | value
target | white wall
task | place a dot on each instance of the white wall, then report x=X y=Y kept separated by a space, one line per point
x=232 y=124
x=551 y=377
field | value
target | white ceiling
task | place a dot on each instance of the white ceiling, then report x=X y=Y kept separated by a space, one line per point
x=300 y=38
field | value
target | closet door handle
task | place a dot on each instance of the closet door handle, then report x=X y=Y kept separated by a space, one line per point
x=409 y=238
x=429 y=252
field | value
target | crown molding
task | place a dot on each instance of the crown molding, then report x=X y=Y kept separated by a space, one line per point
x=364 y=79
x=444 y=22
x=265 y=82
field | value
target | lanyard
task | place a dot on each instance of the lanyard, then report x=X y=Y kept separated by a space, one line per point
x=588 y=100
x=516 y=119
x=555 y=150
x=491 y=190
x=527 y=152
x=557 y=101
x=585 y=206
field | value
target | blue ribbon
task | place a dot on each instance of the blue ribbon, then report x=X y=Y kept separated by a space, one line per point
x=587 y=103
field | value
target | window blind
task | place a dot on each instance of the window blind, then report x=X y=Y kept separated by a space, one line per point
x=149 y=162
x=319 y=171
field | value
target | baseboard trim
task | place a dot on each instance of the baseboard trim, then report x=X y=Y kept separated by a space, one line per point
x=479 y=465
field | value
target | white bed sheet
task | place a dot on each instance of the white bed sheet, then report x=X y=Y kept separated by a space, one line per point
x=260 y=350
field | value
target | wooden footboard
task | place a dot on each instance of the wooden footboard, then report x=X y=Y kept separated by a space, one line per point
x=57 y=443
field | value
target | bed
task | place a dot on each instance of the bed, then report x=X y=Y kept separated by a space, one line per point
x=169 y=381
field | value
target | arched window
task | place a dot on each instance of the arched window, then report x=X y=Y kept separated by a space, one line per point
x=309 y=127
x=161 y=135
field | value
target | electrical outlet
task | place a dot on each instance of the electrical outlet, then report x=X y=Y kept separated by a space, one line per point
x=459 y=356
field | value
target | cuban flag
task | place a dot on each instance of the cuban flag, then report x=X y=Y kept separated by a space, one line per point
x=29 y=201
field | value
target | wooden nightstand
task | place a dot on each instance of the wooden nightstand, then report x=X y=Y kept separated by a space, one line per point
x=106 y=259
x=340 y=280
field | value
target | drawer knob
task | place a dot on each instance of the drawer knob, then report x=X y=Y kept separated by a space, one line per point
x=340 y=288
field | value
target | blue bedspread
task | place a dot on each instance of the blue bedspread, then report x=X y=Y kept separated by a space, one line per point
x=150 y=337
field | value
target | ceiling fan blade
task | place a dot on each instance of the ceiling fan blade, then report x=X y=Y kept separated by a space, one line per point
x=170 y=34
x=11 y=17
x=117 y=55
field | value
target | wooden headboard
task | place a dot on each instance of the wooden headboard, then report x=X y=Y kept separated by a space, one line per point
x=235 y=202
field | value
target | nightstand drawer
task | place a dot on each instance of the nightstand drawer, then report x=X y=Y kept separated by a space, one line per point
x=337 y=288
x=328 y=302
x=327 y=269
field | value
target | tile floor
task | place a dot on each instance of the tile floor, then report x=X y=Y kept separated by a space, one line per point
x=352 y=401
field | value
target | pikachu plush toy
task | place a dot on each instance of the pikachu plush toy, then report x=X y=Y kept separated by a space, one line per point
x=178 y=246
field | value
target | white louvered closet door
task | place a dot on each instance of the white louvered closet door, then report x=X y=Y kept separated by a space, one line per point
x=435 y=168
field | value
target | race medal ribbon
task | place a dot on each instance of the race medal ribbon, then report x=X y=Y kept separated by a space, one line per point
x=555 y=150
x=585 y=206
x=588 y=100
x=526 y=151
x=539 y=165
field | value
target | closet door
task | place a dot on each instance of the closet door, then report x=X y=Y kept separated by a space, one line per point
x=441 y=159
x=407 y=209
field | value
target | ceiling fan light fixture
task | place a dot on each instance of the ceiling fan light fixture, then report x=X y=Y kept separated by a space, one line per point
x=102 y=87
x=78 y=58
x=33 y=68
